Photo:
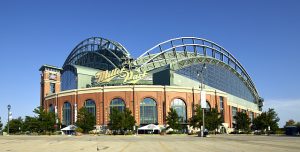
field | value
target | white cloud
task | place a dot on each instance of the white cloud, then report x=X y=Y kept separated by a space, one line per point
x=286 y=109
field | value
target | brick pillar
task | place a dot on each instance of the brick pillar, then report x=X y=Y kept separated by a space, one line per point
x=225 y=111
x=230 y=116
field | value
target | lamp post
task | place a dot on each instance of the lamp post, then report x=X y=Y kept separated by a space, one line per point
x=202 y=98
x=8 y=114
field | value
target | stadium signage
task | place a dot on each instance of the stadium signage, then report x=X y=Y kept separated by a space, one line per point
x=128 y=76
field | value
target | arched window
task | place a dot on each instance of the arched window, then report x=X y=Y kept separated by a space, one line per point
x=90 y=106
x=180 y=108
x=67 y=115
x=117 y=103
x=148 y=111
x=51 y=108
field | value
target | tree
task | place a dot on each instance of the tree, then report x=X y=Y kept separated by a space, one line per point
x=260 y=122
x=115 y=118
x=1 y=125
x=273 y=119
x=128 y=120
x=31 y=124
x=85 y=120
x=213 y=119
x=267 y=119
x=15 y=125
x=173 y=120
x=42 y=122
x=121 y=121
x=196 y=119
x=242 y=121
x=46 y=120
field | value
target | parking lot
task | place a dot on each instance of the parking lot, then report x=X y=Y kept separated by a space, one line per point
x=168 y=143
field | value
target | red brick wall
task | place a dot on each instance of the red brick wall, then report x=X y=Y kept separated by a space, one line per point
x=132 y=101
x=45 y=85
x=227 y=116
x=96 y=97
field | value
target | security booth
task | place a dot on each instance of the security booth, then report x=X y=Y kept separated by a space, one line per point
x=291 y=130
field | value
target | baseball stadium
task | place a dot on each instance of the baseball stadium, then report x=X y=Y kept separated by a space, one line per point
x=100 y=74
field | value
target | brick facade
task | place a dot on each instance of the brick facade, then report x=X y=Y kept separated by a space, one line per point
x=132 y=97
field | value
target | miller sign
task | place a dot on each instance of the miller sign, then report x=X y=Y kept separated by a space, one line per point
x=128 y=76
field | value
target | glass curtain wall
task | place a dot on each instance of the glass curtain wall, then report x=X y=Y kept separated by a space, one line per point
x=221 y=78
x=68 y=78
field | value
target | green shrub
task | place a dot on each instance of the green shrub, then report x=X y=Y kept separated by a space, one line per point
x=79 y=130
x=129 y=132
x=57 y=133
x=174 y=132
x=279 y=131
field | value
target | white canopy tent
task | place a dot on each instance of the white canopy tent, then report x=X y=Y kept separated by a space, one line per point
x=69 y=130
x=151 y=128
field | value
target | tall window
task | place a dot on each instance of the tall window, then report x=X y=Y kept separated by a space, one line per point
x=117 y=103
x=251 y=116
x=52 y=87
x=180 y=107
x=222 y=107
x=90 y=106
x=148 y=111
x=234 y=111
x=221 y=103
x=67 y=116
x=51 y=108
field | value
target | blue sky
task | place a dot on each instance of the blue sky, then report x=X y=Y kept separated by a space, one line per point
x=262 y=35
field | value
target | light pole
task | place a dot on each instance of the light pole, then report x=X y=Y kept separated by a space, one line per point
x=8 y=113
x=202 y=98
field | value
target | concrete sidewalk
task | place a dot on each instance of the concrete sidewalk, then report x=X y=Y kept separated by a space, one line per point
x=156 y=143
